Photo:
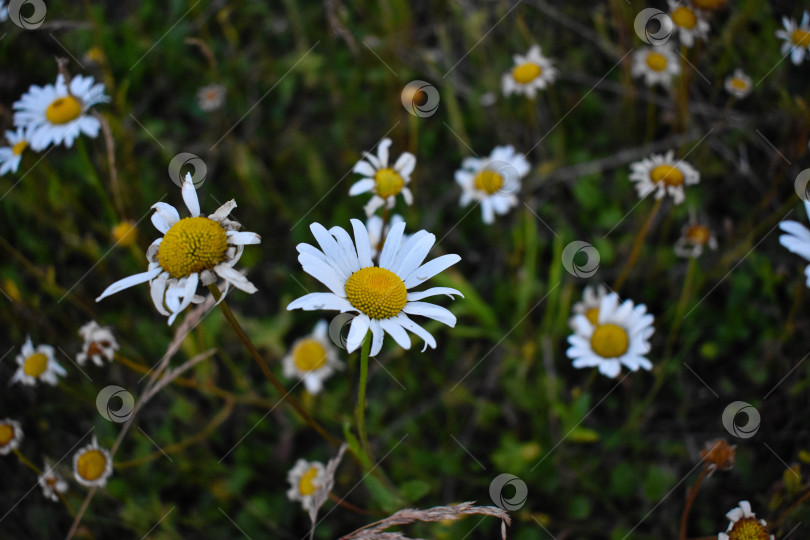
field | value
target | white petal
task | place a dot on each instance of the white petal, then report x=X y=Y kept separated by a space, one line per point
x=313 y=383
x=164 y=217
x=419 y=295
x=331 y=249
x=128 y=282
x=323 y=273
x=395 y=330
x=347 y=246
x=357 y=332
x=362 y=243
x=408 y=324
x=413 y=253
x=364 y=167
x=430 y=269
x=382 y=151
x=328 y=301
x=362 y=186
x=223 y=211
x=243 y=238
x=190 y=196
x=235 y=277
x=431 y=311
x=158 y=291
x=377 y=335
x=373 y=204
x=610 y=368
x=405 y=164
x=392 y=243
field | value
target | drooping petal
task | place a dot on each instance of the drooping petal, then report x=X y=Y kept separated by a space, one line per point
x=433 y=291
x=164 y=217
x=431 y=311
x=128 y=282
x=315 y=301
x=411 y=326
x=357 y=332
x=395 y=330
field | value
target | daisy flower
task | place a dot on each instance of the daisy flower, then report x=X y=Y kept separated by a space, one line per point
x=738 y=84
x=663 y=174
x=694 y=238
x=689 y=22
x=797 y=239
x=54 y=114
x=37 y=364
x=531 y=73
x=211 y=97
x=384 y=181
x=718 y=455
x=313 y=358
x=376 y=234
x=10 y=156
x=621 y=335
x=745 y=525
x=99 y=344
x=306 y=479
x=492 y=181
x=52 y=483
x=378 y=294
x=125 y=233
x=589 y=305
x=658 y=65
x=797 y=38
x=11 y=435
x=92 y=465
x=193 y=250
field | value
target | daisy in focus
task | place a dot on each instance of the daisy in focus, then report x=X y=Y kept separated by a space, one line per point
x=383 y=181
x=211 y=97
x=52 y=483
x=797 y=239
x=493 y=181
x=313 y=359
x=99 y=344
x=380 y=295
x=92 y=465
x=193 y=250
x=663 y=174
x=745 y=525
x=589 y=305
x=694 y=238
x=37 y=364
x=306 y=479
x=56 y=114
x=658 y=65
x=689 y=22
x=531 y=73
x=738 y=84
x=11 y=155
x=620 y=336
x=797 y=38
x=377 y=231
x=11 y=435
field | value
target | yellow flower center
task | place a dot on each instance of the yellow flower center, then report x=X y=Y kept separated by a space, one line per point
x=35 y=365
x=698 y=234
x=526 y=73
x=748 y=529
x=592 y=314
x=739 y=84
x=192 y=245
x=668 y=174
x=125 y=233
x=488 y=181
x=800 y=38
x=91 y=464
x=684 y=17
x=377 y=292
x=18 y=148
x=63 y=110
x=609 y=340
x=309 y=355
x=389 y=182
x=306 y=485
x=656 y=61
x=6 y=434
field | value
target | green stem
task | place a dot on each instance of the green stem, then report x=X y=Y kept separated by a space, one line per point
x=682 y=302
x=642 y=234
x=360 y=409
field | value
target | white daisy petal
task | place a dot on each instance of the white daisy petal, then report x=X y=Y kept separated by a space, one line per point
x=327 y=301
x=190 y=196
x=431 y=311
x=430 y=269
x=395 y=330
x=128 y=282
x=357 y=332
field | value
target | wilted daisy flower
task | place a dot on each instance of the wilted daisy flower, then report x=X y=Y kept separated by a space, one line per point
x=37 y=364
x=92 y=465
x=11 y=435
x=211 y=97
x=99 y=344
x=313 y=358
x=376 y=234
x=384 y=181
x=621 y=335
x=797 y=239
x=493 y=181
x=52 y=483
x=306 y=479
x=10 y=156
x=589 y=305
x=745 y=525
x=718 y=455
x=531 y=73
x=738 y=84
x=797 y=38
x=193 y=250
x=663 y=174
x=694 y=238
x=658 y=65
x=689 y=22
x=54 y=114
x=379 y=294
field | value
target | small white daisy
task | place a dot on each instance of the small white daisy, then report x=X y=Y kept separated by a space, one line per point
x=92 y=465
x=531 y=73
x=52 y=114
x=379 y=294
x=384 y=181
x=797 y=239
x=738 y=84
x=37 y=364
x=306 y=479
x=589 y=305
x=621 y=335
x=376 y=234
x=11 y=155
x=690 y=23
x=658 y=65
x=313 y=358
x=797 y=38
x=694 y=238
x=493 y=181
x=663 y=174
x=99 y=344
x=11 y=435
x=745 y=525
x=52 y=483
x=193 y=250
x=211 y=97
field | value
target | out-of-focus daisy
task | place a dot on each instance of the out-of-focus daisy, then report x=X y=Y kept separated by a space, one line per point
x=738 y=84
x=211 y=97
x=493 y=181
x=52 y=483
x=589 y=305
x=383 y=181
x=621 y=335
x=37 y=364
x=745 y=525
x=313 y=358
x=54 y=114
x=689 y=22
x=531 y=73
x=694 y=238
x=797 y=38
x=658 y=65
x=306 y=479
x=125 y=233
x=663 y=174
x=379 y=294
x=11 y=435
x=718 y=455
x=92 y=465
x=99 y=344
x=376 y=234
x=797 y=239
x=11 y=155
x=193 y=250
